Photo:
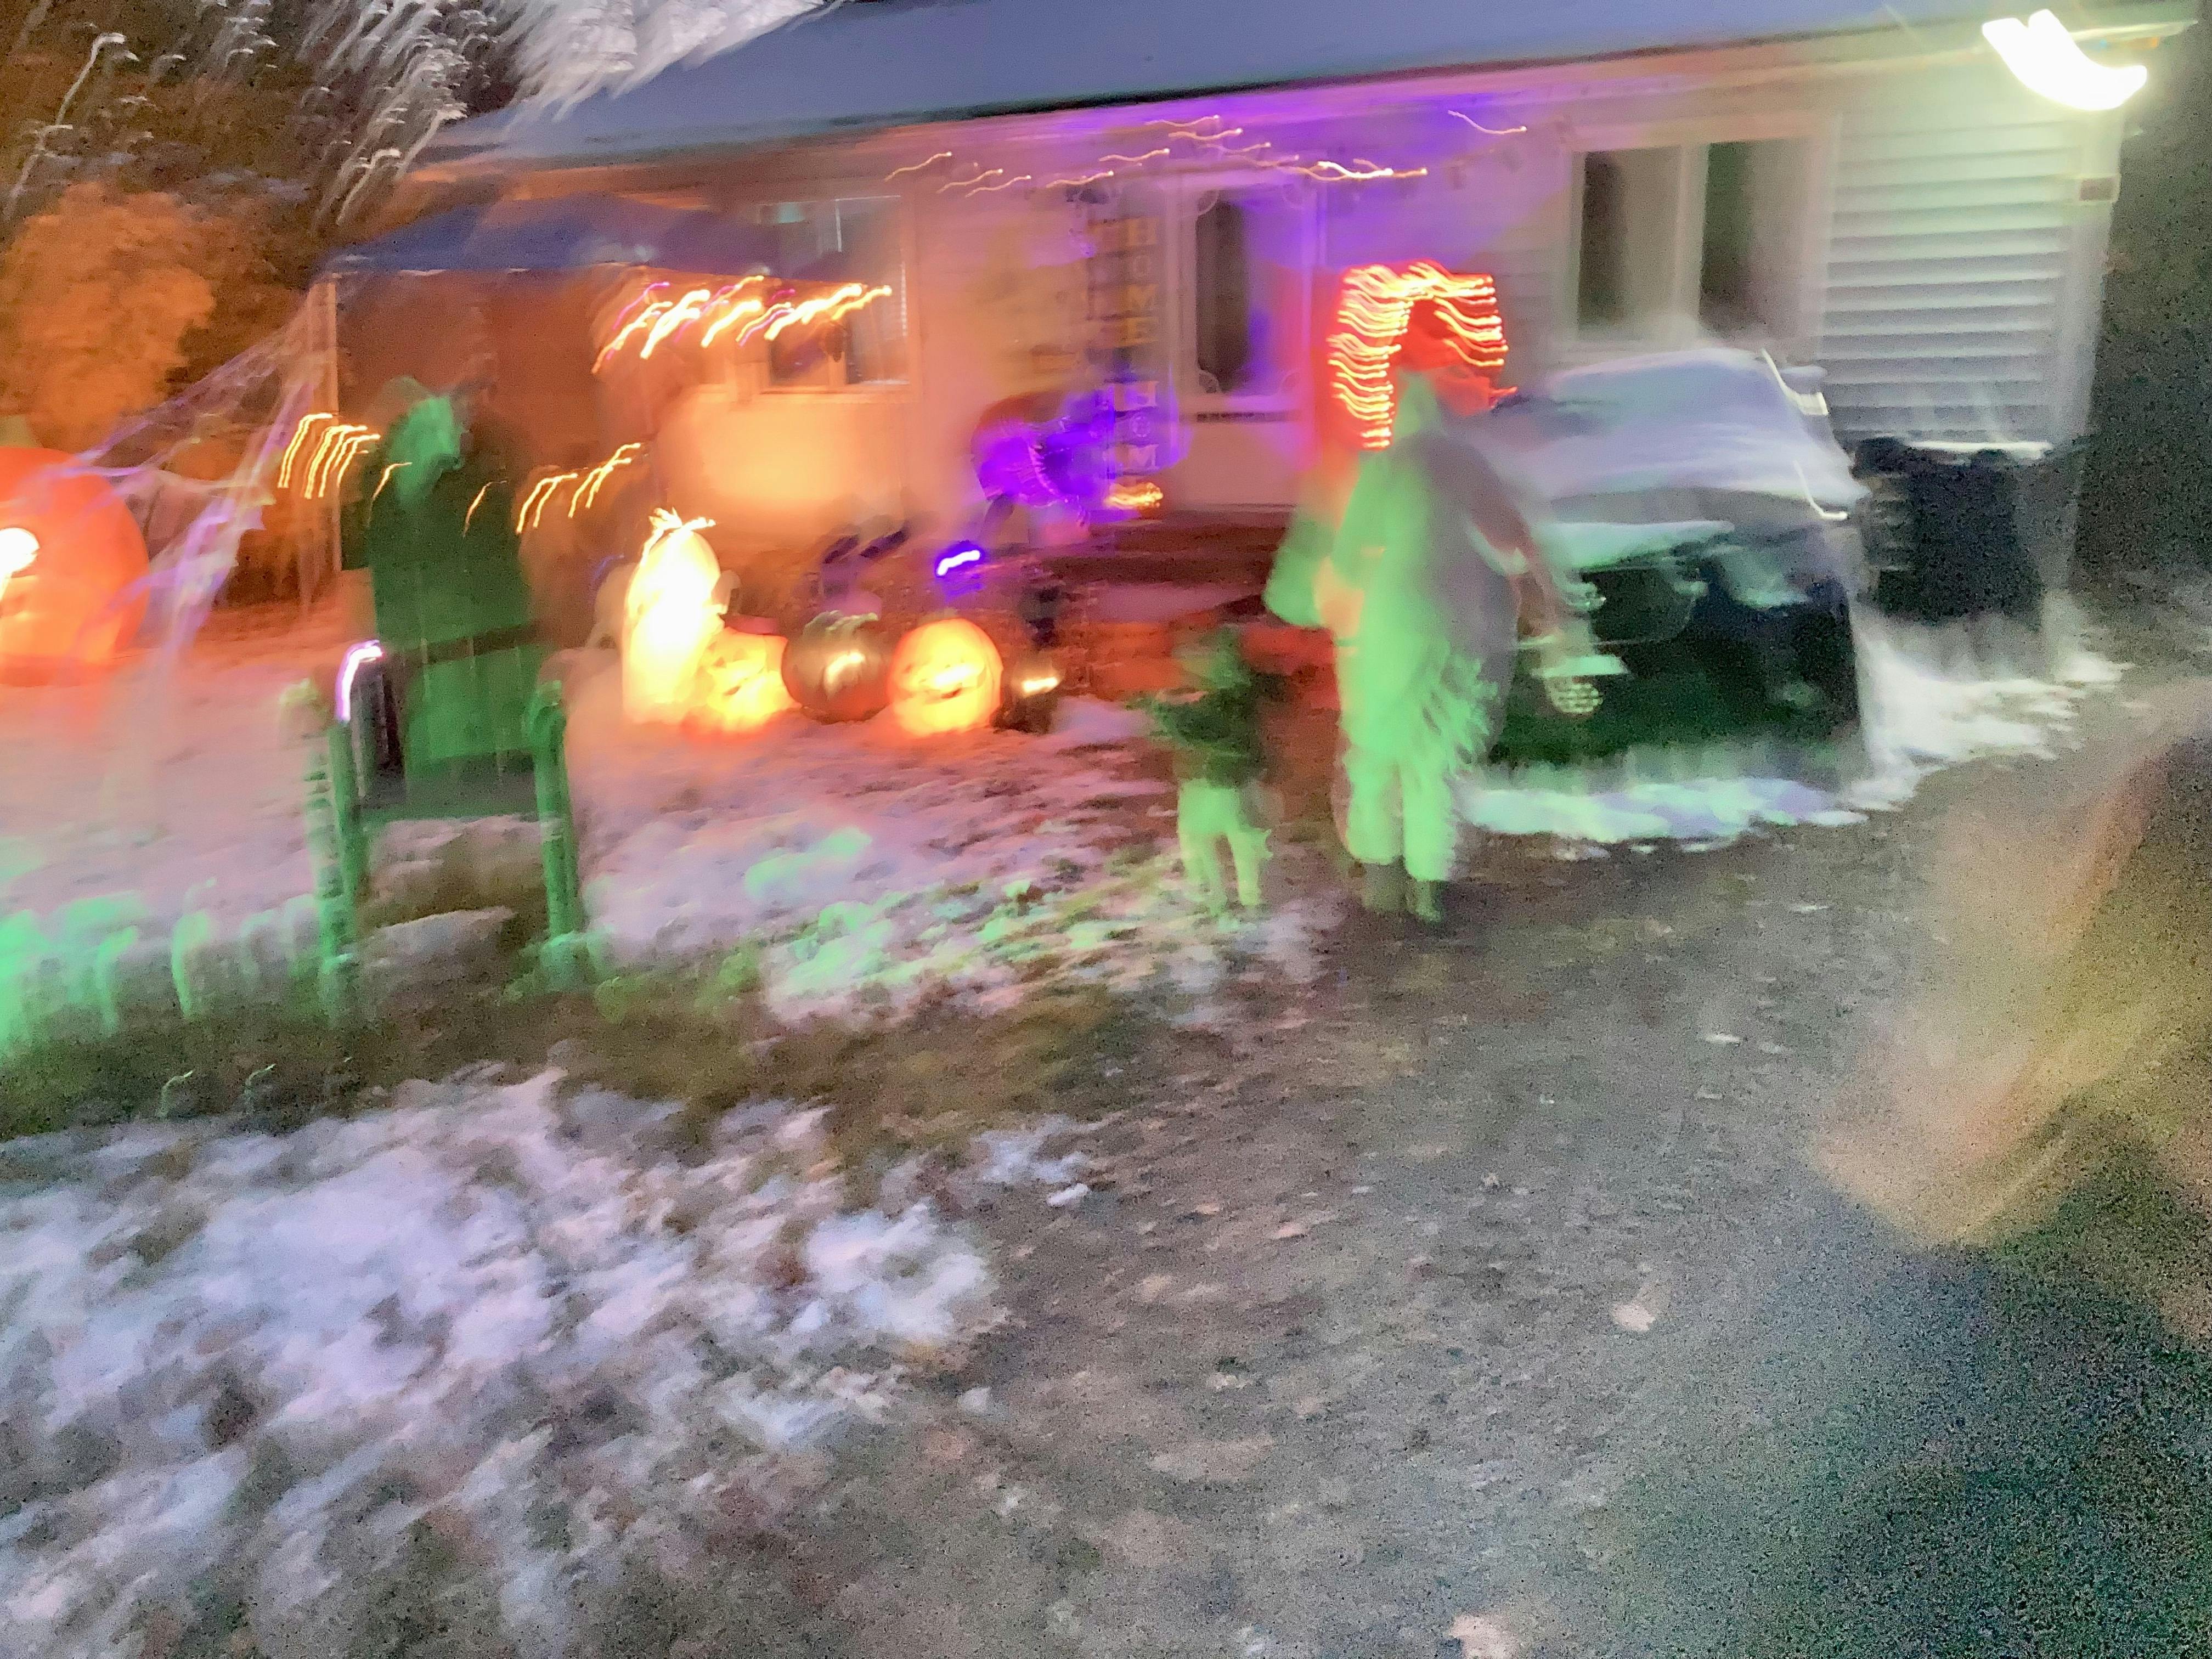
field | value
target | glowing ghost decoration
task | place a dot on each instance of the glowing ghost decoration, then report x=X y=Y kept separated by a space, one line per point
x=674 y=613
x=740 y=685
x=946 y=677
x=72 y=569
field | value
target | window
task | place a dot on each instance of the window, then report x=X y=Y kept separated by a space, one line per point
x=1709 y=233
x=1727 y=293
x=825 y=245
x=1247 y=247
x=1223 y=334
x=1631 y=201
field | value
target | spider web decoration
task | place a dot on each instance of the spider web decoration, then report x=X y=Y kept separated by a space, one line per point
x=254 y=404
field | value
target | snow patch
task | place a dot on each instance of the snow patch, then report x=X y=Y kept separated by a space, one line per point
x=871 y=871
x=1016 y=1158
x=863 y=870
x=267 y=1357
x=1927 y=703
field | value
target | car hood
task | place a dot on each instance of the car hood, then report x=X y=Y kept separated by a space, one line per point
x=1707 y=434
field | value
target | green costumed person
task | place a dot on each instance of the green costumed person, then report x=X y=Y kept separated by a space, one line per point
x=1423 y=587
x=434 y=524
x=1213 y=729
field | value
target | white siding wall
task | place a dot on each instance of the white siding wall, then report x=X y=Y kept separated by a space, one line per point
x=1963 y=272
x=1951 y=274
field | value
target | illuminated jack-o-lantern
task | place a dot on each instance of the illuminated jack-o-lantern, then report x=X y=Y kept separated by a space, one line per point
x=839 y=668
x=72 y=569
x=739 y=687
x=946 y=677
x=672 y=614
x=1030 y=699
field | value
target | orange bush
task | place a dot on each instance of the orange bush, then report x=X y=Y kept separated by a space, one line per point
x=105 y=296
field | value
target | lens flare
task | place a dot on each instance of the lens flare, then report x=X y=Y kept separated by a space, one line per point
x=2043 y=52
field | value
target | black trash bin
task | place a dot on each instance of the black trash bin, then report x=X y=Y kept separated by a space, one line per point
x=1956 y=536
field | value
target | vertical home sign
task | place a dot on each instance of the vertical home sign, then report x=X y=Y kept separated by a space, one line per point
x=1125 y=331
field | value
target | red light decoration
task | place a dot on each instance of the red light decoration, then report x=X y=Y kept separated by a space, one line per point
x=1463 y=333
x=71 y=565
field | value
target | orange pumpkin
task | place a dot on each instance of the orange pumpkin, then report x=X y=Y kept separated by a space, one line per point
x=839 y=668
x=740 y=685
x=946 y=677
x=72 y=565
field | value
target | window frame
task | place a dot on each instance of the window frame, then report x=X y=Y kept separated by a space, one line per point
x=1801 y=289
x=1189 y=197
x=903 y=385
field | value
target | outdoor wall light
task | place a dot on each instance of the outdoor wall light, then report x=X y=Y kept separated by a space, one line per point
x=2048 y=61
x=18 y=548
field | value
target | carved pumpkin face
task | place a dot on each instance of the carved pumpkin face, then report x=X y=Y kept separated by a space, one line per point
x=71 y=558
x=839 y=668
x=946 y=678
x=740 y=684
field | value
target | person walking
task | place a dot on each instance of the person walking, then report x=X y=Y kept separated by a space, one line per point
x=1425 y=587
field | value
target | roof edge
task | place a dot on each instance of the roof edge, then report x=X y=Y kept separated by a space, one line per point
x=456 y=162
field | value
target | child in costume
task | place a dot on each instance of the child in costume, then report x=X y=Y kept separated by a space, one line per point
x=1214 y=731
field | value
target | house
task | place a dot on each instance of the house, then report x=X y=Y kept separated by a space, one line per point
x=987 y=200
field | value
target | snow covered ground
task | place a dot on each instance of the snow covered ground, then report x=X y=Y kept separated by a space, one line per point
x=516 y=1311
x=875 y=868
x=173 y=783
x=865 y=869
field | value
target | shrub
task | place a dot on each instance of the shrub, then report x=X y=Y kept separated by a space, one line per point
x=105 y=296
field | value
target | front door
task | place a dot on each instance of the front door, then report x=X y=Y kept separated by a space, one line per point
x=1238 y=252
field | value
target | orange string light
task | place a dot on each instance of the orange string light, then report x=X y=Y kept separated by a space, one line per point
x=308 y=423
x=660 y=321
x=583 y=486
x=728 y=316
x=685 y=310
x=339 y=446
x=638 y=323
x=358 y=445
x=834 y=306
x=531 y=513
x=918 y=167
x=596 y=479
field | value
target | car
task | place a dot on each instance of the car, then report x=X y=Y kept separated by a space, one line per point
x=1700 y=503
